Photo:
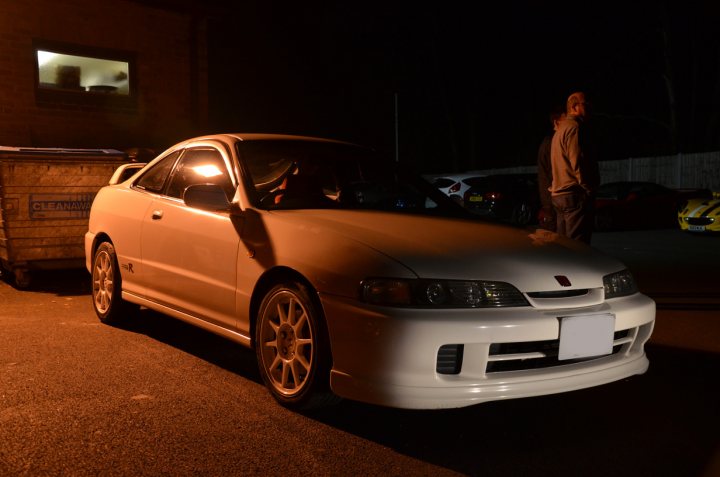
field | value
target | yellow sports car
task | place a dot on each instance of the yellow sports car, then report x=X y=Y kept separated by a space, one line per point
x=701 y=215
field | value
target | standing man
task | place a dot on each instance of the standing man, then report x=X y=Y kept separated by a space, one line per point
x=547 y=212
x=575 y=174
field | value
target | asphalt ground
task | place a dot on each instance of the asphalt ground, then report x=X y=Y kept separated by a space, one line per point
x=681 y=272
x=677 y=269
x=156 y=396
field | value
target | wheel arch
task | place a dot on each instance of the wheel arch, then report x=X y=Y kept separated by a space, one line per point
x=99 y=238
x=273 y=277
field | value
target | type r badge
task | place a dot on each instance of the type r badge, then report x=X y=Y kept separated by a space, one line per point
x=563 y=280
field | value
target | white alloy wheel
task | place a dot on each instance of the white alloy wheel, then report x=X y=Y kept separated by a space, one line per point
x=290 y=347
x=106 y=284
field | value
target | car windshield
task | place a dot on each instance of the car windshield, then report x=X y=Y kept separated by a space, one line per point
x=289 y=174
x=512 y=182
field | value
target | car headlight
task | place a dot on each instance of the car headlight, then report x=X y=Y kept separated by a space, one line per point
x=441 y=293
x=619 y=284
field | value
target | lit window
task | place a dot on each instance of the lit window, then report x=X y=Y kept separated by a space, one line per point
x=87 y=76
x=82 y=73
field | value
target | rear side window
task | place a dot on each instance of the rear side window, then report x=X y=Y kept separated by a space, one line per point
x=474 y=181
x=443 y=182
x=154 y=179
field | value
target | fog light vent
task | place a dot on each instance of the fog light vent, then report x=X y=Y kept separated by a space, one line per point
x=449 y=359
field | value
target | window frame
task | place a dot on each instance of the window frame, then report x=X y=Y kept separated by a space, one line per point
x=86 y=98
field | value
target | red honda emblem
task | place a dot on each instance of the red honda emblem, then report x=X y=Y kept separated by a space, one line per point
x=563 y=280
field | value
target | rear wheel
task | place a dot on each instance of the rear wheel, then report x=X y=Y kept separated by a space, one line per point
x=521 y=214
x=292 y=348
x=603 y=221
x=107 y=285
x=22 y=278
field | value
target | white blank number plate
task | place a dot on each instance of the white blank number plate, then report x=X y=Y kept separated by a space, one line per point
x=584 y=336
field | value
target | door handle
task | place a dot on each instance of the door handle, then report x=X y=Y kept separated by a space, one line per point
x=157 y=214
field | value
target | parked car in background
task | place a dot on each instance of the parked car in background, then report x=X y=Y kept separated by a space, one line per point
x=640 y=205
x=512 y=198
x=326 y=260
x=701 y=215
x=453 y=185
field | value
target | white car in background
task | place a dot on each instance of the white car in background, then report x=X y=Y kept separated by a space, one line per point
x=453 y=185
x=327 y=261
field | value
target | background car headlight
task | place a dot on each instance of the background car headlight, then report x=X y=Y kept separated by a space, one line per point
x=619 y=284
x=441 y=293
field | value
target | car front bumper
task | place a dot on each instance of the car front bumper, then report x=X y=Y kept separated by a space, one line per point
x=388 y=356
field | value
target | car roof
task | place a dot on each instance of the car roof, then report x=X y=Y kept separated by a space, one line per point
x=230 y=137
x=454 y=175
x=631 y=183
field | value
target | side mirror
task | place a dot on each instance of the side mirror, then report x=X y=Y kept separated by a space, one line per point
x=207 y=197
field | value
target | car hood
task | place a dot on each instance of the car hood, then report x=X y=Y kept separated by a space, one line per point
x=699 y=207
x=459 y=249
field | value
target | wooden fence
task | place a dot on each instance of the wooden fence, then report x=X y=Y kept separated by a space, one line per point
x=676 y=171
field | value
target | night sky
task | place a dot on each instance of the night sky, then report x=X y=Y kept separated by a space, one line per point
x=473 y=88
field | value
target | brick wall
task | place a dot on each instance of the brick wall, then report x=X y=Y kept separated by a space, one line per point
x=169 y=46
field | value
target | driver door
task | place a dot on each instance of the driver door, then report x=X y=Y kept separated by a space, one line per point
x=190 y=255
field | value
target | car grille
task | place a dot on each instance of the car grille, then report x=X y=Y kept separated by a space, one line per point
x=504 y=357
x=540 y=354
x=699 y=220
x=559 y=294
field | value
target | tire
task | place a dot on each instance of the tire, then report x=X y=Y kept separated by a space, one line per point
x=107 y=286
x=521 y=214
x=22 y=278
x=603 y=222
x=292 y=348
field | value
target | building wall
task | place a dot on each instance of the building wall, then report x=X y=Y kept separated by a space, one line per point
x=169 y=45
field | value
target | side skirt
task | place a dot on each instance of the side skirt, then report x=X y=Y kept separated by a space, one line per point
x=193 y=320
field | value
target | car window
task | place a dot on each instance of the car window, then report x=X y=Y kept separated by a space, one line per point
x=474 y=181
x=650 y=190
x=484 y=183
x=200 y=166
x=612 y=191
x=443 y=182
x=301 y=174
x=154 y=178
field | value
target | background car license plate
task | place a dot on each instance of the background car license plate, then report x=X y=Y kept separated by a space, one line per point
x=696 y=228
x=584 y=336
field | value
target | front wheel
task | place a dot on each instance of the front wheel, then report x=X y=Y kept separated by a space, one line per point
x=292 y=348
x=106 y=285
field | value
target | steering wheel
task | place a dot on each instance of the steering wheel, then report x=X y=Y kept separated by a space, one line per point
x=268 y=199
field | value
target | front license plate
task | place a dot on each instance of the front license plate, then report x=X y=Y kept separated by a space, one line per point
x=584 y=336
x=475 y=198
x=696 y=228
